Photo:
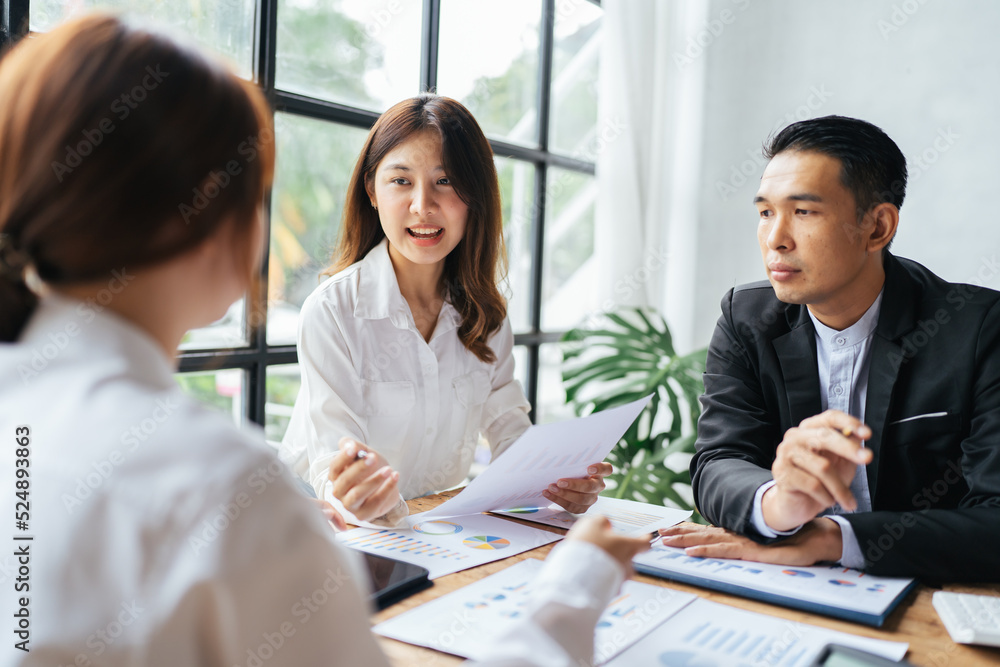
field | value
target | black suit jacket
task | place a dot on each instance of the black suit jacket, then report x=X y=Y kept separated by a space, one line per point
x=933 y=406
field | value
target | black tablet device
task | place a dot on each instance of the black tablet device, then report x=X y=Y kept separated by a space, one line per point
x=394 y=580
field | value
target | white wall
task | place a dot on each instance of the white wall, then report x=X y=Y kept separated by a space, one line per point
x=925 y=72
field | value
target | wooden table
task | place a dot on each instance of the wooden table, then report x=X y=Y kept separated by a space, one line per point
x=914 y=621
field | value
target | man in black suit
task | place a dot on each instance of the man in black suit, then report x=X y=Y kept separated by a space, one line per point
x=852 y=401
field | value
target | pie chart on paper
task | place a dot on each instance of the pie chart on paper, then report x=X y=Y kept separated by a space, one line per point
x=486 y=542
x=437 y=528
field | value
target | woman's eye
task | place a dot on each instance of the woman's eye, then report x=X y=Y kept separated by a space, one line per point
x=444 y=181
x=399 y=181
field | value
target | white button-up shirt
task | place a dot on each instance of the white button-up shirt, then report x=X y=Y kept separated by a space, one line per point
x=368 y=373
x=163 y=536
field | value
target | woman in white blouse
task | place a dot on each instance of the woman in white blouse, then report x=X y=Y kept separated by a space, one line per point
x=406 y=350
x=154 y=532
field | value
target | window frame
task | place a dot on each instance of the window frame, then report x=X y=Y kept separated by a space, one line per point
x=255 y=358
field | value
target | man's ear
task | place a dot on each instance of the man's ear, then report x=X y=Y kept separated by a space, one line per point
x=886 y=219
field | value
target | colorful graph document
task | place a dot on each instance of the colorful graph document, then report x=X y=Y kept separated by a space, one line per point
x=627 y=516
x=488 y=606
x=542 y=455
x=448 y=546
x=828 y=590
x=708 y=634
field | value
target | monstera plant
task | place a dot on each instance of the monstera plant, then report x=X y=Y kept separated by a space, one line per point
x=628 y=355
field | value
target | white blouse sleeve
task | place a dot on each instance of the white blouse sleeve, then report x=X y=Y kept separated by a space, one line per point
x=505 y=415
x=331 y=393
x=575 y=585
x=333 y=402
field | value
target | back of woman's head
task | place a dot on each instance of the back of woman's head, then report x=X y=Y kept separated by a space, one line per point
x=119 y=148
x=474 y=267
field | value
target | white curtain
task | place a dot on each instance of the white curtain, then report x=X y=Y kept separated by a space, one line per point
x=649 y=117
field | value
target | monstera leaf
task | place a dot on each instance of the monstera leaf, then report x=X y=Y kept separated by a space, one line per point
x=629 y=356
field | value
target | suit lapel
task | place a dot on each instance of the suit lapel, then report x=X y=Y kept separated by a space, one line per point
x=796 y=352
x=897 y=317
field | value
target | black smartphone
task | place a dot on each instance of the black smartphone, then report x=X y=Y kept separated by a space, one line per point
x=394 y=580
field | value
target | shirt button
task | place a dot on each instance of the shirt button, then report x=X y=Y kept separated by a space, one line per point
x=838 y=390
x=841 y=340
x=430 y=431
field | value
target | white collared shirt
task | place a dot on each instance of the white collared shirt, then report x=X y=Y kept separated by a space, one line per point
x=843 y=359
x=164 y=536
x=368 y=373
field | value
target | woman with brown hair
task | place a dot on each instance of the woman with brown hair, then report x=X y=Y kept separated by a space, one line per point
x=150 y=530
x=406 y=350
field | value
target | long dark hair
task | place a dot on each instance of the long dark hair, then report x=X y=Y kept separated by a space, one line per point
x=119 y=147
x=479 y=261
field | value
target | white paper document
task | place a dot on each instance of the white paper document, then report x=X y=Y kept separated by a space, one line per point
x=709 y=634
x=828 y=585
x=627 y=517
x=448 y=546
x=542 y=455
x=463 y=622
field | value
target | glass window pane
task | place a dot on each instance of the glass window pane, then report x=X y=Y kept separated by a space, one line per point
x=314 y=163
x=568 y=273
x=363 y=53
x=517 y=190
x=575 y=60
x=220 y=390
x=521 y=365
x=282 y=388
x=488 y=60
x=228 y=331
x=550 y=406
x=227 y=28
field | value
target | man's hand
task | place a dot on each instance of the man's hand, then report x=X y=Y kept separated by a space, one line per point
x=368 y=487
x=577 y=495
x=813 y=469
x=819 y=540
x=597 y=530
